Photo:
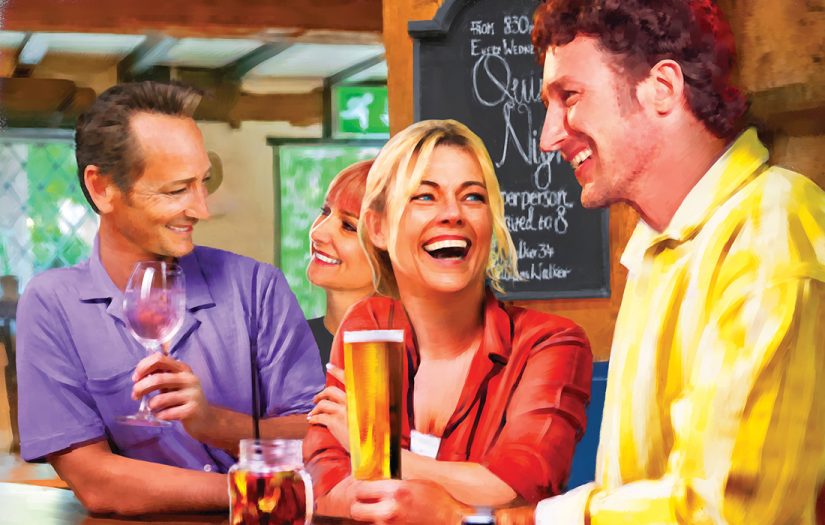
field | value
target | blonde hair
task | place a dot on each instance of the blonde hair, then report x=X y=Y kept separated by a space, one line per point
x=397 y=173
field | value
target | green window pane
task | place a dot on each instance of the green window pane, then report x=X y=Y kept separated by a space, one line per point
x=45 y=221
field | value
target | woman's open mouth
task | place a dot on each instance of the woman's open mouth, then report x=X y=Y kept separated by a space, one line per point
x=448 y=249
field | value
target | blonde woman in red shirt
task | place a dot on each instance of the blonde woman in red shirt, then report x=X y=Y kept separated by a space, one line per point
x=498 y=392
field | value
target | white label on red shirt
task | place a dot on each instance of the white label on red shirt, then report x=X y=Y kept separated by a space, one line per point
x=424 y=444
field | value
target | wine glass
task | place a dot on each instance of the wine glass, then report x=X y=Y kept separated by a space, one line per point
x=153 y=302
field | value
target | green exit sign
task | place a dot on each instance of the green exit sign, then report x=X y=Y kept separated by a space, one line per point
x=360 y=112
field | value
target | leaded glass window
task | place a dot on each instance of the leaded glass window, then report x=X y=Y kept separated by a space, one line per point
x=45 y=222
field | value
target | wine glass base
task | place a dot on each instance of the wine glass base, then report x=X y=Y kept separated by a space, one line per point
x=141 y=420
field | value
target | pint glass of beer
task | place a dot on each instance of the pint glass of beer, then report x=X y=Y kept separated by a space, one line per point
x=373 y=361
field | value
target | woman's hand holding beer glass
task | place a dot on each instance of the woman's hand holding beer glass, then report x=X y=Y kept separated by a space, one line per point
x=411 y=502
x=418 y=501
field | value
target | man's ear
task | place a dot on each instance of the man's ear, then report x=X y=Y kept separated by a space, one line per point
x=101 y=188
x=376 y=229
x=665 y=87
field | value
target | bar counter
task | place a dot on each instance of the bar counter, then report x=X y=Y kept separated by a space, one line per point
x=22 y=504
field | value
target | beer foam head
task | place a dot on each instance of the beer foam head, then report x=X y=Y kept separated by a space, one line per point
x=374 y=336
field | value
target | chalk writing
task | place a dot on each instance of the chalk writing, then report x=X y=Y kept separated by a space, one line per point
x=477 y=27
x=517 y=25
x=515 y=96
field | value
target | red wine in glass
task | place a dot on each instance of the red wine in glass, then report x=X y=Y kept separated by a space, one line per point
x=153 y=302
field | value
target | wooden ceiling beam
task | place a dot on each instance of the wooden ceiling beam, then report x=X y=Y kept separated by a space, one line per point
x=238 y=69
x=36 y=102
x=224 y=101
x=233 y=107
x=81 y=101
x=39 y=102
x=346 y=74
x=219 y=95
x=194 y=18
x=8 y=62
x=34 y=48
x=299 y=109
x=35 y=95
x=146 y=56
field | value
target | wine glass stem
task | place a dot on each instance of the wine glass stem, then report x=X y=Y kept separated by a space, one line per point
x=144 y=406
x=144 y=401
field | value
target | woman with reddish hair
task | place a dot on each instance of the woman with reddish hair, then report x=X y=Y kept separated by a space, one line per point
x=337 y=262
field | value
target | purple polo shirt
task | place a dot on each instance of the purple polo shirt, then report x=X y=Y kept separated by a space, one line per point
x=75 y=357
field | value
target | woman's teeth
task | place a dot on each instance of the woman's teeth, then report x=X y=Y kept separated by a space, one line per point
x=450 y=243
x=324 y=258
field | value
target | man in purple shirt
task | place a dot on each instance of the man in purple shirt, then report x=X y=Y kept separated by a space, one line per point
x=143 y=167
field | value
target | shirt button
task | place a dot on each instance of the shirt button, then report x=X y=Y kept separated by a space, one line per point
x=207 y=468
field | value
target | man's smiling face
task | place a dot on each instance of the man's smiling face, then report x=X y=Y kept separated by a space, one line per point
x=595 y=120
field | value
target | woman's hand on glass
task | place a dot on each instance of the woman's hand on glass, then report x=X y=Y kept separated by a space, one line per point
x=180 y=396
x=410 y=502
x=331 y=409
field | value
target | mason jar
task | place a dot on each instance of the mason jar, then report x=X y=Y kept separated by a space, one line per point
x=268 y=485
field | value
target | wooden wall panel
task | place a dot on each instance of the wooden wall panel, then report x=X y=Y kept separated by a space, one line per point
x=399 y=54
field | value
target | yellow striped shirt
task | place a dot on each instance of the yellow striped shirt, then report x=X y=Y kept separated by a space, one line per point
x=715 y=406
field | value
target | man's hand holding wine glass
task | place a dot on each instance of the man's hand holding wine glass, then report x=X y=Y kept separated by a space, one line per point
x=180 y=396
x=154 y=302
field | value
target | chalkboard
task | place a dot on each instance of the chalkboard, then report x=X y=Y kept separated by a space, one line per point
x=474 y=63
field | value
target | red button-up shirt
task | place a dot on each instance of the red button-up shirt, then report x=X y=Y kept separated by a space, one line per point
x=520 y=413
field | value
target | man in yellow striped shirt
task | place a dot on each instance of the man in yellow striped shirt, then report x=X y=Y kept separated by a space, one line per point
x=715 y=407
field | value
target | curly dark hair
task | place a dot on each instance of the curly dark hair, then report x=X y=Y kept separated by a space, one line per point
x=693 y=33
x=103 y=137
